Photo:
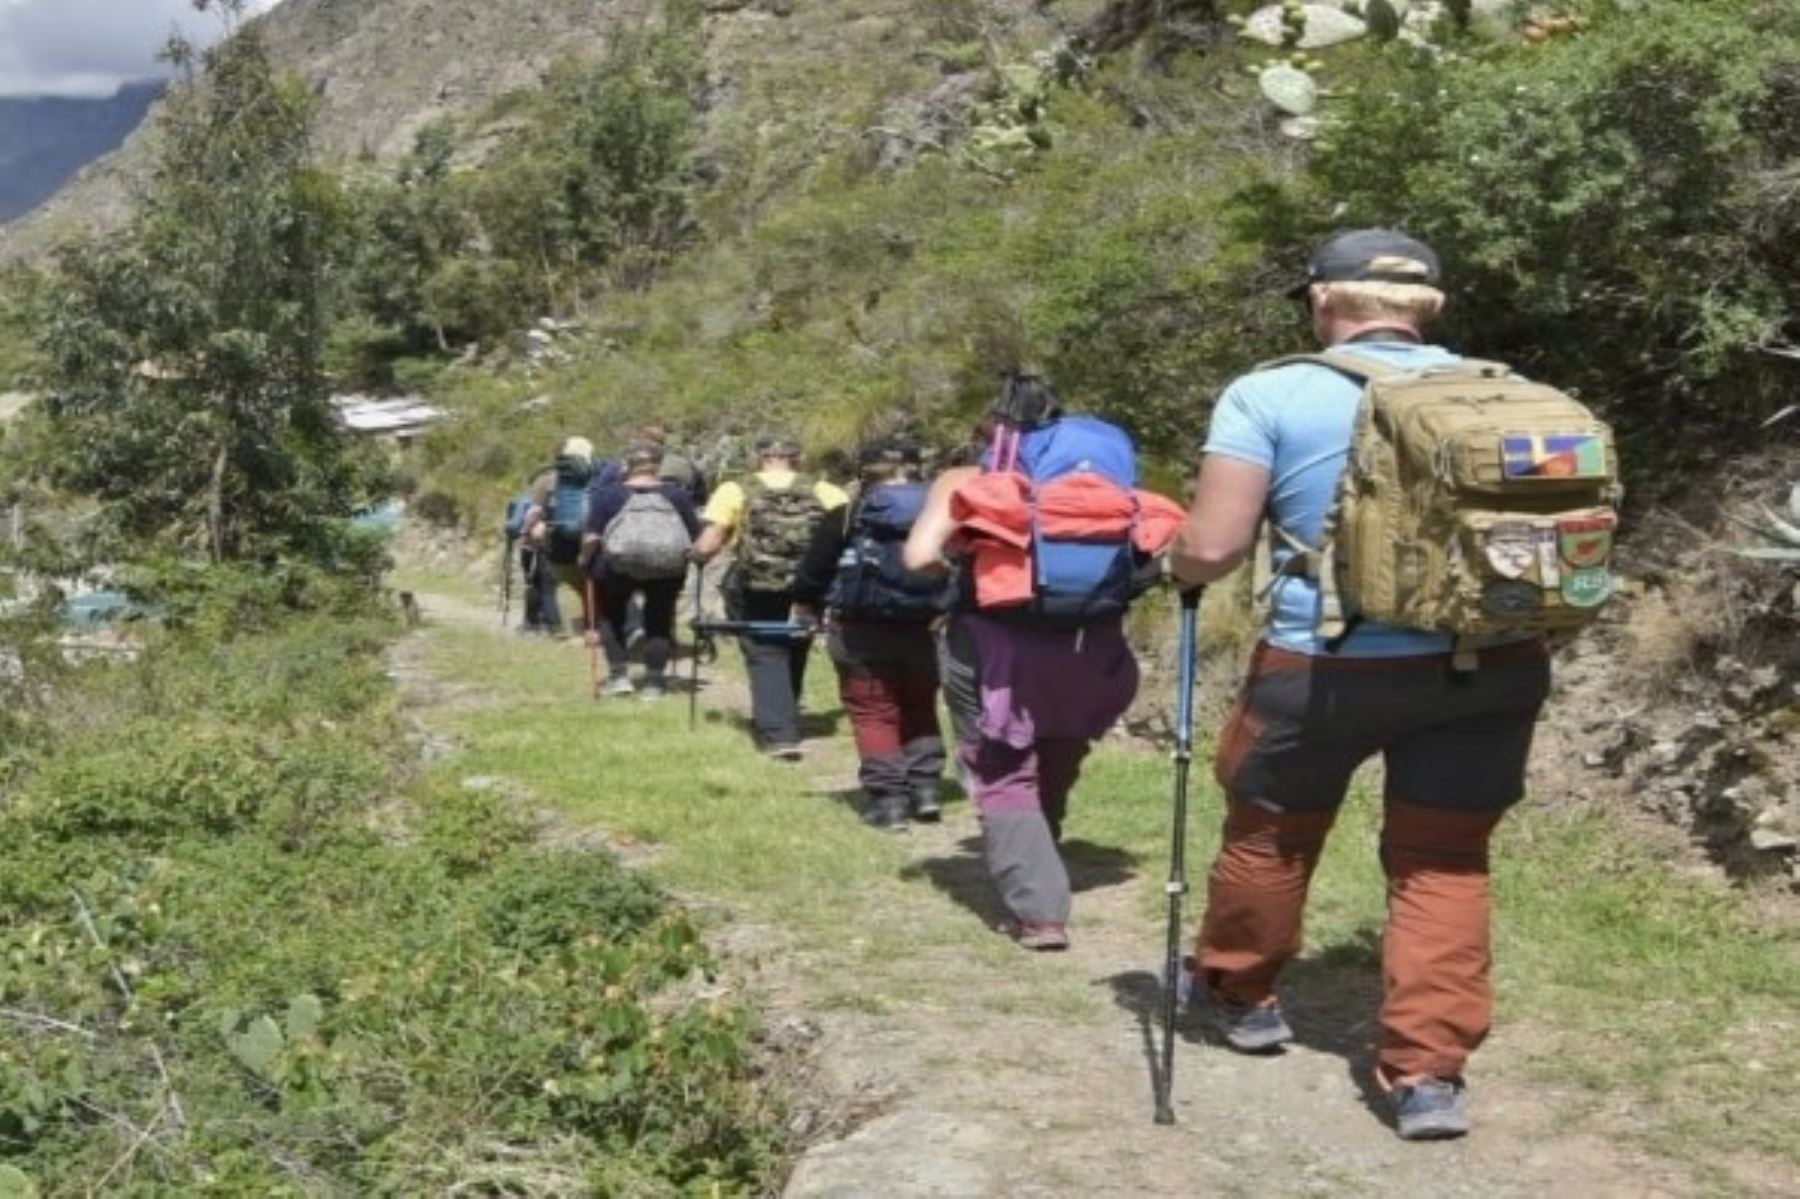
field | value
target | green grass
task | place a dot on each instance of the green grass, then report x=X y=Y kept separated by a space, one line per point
x=1620 y=976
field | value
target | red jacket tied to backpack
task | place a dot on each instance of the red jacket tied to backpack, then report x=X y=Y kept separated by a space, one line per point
x=1001 y=514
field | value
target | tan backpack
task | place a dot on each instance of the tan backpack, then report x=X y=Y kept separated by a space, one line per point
x=1474 y=503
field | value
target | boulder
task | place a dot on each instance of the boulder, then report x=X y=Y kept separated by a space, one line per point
x=1326 y=25
x=1290 y=89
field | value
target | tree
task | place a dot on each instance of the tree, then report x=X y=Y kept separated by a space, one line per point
x=184 y=385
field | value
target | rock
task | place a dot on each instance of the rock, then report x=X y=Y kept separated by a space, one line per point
x=1290 y=89
x=1301 y=129
x=1592 y=760
x=1325 y=26
x=1771 y=840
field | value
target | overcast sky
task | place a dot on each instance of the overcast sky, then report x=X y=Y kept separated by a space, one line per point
x=90 y=47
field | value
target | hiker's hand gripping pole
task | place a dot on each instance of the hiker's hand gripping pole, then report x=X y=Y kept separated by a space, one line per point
x=1177 y=886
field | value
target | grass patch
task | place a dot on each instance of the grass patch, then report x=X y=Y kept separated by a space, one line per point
x=243 y=955
x=1637 y=982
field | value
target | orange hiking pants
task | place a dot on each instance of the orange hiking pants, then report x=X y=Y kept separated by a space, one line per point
x=1455 y=748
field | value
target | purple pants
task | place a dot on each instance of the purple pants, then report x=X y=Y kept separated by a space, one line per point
x=1037 y=699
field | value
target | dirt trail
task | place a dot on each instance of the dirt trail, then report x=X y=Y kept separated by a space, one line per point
x=944 y=1092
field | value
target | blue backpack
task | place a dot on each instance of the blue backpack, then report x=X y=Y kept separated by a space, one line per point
x=569 y=498
x=872 y=582
x=1077 y=576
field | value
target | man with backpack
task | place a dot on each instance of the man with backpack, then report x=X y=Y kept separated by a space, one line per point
x=639 y=536
x=557 y=520
x=880 y=635
x=770 y=520
x=677 y=467
x=1430 y=517
x=1051 y=540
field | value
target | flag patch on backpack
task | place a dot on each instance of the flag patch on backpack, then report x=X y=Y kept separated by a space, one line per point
x=1554 y=456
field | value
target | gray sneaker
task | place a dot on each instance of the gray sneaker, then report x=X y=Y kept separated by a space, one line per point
x=618 y=686
x=786 y=752
x=926 y=807
x=1432 y=1109
x=1252 y=1028
x=652 y=689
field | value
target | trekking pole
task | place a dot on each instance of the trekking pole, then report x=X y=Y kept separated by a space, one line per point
x=591 y=635
x=694 y=650
x=1177 y=886
x=506 y=557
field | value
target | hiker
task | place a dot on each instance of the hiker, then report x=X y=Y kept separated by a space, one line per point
x=639 y=535
x=1051 y=541
x=677 y=467
x=880 y=636
x=1330 y=685
x=557 y=522
x=541 y=611
x=769 y=520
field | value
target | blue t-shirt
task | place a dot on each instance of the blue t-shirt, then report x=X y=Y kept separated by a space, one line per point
x=1296 y=421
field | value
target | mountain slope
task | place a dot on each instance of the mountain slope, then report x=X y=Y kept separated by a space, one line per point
x=382 y=70
x=44 y=140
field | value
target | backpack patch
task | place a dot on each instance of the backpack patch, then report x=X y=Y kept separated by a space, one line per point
x=647 y=540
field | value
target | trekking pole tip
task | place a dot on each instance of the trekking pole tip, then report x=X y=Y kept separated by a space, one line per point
x=1165 y=1115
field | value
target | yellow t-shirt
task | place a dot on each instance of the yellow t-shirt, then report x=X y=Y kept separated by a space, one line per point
x=726 y=507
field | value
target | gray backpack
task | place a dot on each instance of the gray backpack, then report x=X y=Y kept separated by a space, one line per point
x=647 y=540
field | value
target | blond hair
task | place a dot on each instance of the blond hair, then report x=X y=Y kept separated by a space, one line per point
x=1415 y=304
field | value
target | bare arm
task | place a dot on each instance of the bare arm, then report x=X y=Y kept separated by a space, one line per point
x=924 y=550
x=708 y=544
x=1220 y=529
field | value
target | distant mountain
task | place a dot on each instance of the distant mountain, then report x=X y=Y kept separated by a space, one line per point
x=45 y=140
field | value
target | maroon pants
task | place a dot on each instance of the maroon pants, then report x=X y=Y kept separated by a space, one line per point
x=1455 y=748
x=888 y=682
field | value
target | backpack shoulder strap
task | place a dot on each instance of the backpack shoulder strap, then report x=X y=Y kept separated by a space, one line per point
x=1356 y=367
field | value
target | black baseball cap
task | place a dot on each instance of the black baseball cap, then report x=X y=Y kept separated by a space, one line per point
x=892 y=451
x=1369 y=256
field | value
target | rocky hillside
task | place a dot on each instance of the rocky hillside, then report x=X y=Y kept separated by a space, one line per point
x=382 y=68
x=784 y=78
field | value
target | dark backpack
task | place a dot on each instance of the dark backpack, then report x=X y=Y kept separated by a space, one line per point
x=779 y=524
x=1078 y=577
x=872 y=582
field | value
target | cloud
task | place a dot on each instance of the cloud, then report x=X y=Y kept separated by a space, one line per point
x=90 y=47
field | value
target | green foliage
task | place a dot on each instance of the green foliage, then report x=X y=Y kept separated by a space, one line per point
x=183 y=355
x=236 y=963
x=588 y=186
x=1610 y=208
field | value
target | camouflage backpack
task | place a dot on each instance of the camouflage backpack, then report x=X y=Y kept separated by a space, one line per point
x=779 y=523
x=1474 y=503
